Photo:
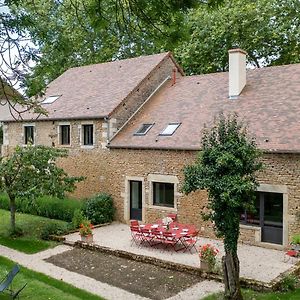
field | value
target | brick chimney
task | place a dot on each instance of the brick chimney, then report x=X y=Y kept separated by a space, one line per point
x=237 y=72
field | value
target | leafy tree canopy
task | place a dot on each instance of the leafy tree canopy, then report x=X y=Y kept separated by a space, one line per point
x=267 y=29
x=73 y=33
x=31 y=172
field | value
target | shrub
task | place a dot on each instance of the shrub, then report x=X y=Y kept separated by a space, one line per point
x=49 y=207
x=53 y=228
x=15 y=233
x=296 y=239
x=4 y=202
x=99 y=209
x=78 y=218
x=288 y=283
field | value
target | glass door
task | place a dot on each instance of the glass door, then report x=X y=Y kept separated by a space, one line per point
x=271 y=217
x=135 y=200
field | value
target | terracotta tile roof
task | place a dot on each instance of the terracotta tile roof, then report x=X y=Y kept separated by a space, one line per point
x=269 y=104
x=94 y=91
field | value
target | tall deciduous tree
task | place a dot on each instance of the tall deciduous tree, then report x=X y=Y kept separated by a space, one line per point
x=32 y=172
x=267 y=29
x=226 y=168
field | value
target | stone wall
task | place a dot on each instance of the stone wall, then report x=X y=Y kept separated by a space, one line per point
x=110 y=170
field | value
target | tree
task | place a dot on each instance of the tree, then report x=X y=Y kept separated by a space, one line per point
x=74 y=33
x=32 y=172
x=267 y=29
x=226 y=168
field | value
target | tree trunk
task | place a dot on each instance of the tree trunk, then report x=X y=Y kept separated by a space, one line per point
x=231 y=270
x=12 y=214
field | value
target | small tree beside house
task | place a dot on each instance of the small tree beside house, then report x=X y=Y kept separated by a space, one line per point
x=226 y=168
x=31 y=172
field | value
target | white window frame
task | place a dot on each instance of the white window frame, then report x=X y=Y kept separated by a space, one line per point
x=127 y=197
x=177 y=124
x=59 y=134
x=82 y=135
x=163 y=179
x=270 y=188
x=150 y=125
x=34 y=133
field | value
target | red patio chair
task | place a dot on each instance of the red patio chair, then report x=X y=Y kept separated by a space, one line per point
x=134 y=223
x=190 y=243
x=147 y=236
x=136 y=235
x=169 y=240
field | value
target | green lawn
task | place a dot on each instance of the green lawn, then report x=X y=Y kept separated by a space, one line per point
x=251 y=295
x=42 y=287
x=31 y=226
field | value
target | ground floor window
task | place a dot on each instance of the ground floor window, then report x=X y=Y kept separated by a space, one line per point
x=268 y=215
x=163 y=194
x=268 y=207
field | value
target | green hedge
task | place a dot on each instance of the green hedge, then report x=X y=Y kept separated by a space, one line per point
x=50 y=207
x=99 y=209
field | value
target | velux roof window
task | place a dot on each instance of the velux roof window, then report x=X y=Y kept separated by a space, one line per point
x=144 y=129
x=170 y=129
x=50 y=99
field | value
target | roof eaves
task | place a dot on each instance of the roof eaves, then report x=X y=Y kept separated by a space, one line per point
x=55 y=119
x=269 y=151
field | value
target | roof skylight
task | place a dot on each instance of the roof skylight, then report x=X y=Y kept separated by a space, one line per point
x=50 y=99
x=144 y=129
x=170 y=129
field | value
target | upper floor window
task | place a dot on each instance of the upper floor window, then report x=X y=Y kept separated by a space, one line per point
x=170 y=129
x=163 y=194
x=28 y=134
x=143 y=129
x=65 y=134
x=88 y=134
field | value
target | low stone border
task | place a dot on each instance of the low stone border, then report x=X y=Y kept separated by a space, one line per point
x=62 y=238
x=245 y=283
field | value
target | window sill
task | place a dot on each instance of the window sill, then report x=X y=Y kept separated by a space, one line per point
x=87 y=146
x=250 y=227
x=173 y=209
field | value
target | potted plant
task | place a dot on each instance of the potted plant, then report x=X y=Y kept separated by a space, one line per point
x=207 y=255
x=86 y=231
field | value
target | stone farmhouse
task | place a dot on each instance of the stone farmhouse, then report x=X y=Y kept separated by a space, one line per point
x=132 y=125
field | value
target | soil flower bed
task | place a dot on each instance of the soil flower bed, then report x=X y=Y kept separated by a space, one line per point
x=136 y=277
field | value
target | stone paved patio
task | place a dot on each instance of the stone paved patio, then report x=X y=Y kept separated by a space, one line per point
x=255 y=262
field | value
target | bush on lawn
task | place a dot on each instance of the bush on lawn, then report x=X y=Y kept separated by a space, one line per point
x=288 y=283
x=53 y=228
x=99 y=209
x=49 y=207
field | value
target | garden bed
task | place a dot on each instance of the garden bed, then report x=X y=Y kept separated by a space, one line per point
x=137 y=277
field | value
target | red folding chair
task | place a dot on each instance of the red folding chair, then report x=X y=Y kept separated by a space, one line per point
x=169 y=240
x=136 y=234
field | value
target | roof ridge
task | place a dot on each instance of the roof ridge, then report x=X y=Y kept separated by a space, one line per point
x=163 y=54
